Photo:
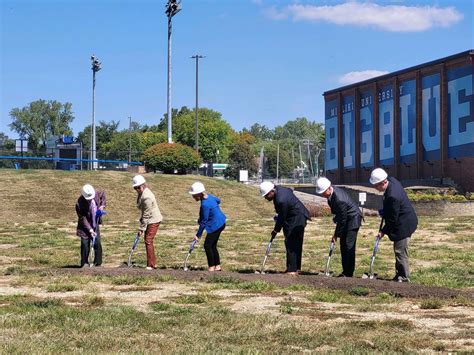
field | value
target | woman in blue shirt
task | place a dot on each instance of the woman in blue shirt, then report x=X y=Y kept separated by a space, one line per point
x=210 y=219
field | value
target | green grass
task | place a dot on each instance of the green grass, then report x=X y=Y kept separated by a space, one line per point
x=143 y=314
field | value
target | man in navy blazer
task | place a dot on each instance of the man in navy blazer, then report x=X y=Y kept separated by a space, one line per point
x=292 y=218
x=400 y=219
x=347 y=218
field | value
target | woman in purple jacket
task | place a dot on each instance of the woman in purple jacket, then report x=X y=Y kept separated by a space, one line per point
x=210 y=219
x=87 y=206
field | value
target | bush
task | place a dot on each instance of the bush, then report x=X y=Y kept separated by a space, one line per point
x=171 y=158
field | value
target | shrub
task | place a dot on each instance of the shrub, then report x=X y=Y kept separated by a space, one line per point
x=170 y=158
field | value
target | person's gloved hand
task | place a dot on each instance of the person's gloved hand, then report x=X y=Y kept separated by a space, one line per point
x=275 y=218
x=274 y=233
x=381 y=212
x=100 y=213
x=334 y=220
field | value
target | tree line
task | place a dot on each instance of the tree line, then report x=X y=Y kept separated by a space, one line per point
x=289 y=146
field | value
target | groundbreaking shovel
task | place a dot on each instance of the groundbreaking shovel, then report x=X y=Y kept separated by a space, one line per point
x=371 y=274
x=265 y=257
x=191 y=248
x=331 y=250
x=137 y=239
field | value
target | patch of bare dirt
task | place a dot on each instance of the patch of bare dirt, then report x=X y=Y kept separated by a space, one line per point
x=408 y=290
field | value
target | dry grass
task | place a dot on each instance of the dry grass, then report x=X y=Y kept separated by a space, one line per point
x=47 y=312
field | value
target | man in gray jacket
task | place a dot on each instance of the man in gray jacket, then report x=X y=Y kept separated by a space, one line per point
x=347 y=218
x=150 y=217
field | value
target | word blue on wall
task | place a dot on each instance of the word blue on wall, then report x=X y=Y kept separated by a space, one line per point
x=408 y=121
x=430 y=116
x=460 y=112
x=386 y=141
x=366 y=129
x=331 y=135
x=348 y=131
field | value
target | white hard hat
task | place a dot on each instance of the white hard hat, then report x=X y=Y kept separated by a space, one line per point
x=322 y=184
x=138 y=180
x=266 y=187
x=197 y=188
x=88 y=192
x=377 y=175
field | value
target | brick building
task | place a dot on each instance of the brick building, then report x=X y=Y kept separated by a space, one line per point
x=416 y=123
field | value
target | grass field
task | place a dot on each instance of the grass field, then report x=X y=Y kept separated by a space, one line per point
x=47 y=308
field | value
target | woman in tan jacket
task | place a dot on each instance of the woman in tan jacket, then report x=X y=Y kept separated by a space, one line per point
x=150 y=218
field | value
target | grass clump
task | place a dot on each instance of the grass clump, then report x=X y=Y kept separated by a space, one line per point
x=431 y=303
x=94 y=301
x=359 y=291
x=61 y=287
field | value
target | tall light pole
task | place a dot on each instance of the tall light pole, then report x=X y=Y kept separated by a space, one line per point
x=172 y=8
x=96 y=66
x=197 y=57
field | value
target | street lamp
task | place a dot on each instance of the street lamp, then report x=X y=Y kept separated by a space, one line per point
x=172 y=8
x=96 y=66
x=197 y=57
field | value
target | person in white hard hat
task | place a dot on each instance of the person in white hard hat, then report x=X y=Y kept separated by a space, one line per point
x=150 y=218
x=88 y=222
x=347 y=218
x=400 y=219
x=292 y=218
x=212 y=220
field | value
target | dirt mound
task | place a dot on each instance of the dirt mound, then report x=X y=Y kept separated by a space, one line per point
x=376 y=286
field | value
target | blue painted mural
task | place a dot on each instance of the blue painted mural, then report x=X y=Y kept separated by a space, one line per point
x=407 y=127
x=331 y=135
x=430 y=116
x=348 y=132
x=366 y=129
x=460 y=112
x=386 y=139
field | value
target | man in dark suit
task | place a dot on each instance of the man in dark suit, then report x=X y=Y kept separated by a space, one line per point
x=347 y=218
x=400 y=219
x=88 y=222
x=292 y=217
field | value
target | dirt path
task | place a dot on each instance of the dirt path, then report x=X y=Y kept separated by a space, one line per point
x=408 y=290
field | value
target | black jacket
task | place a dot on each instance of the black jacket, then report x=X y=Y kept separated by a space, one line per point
x=291 y=212
x=347 y=212
x=400 y=217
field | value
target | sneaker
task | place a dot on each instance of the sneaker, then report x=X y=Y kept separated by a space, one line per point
x=150 y=268
x=401 y=279
x=86 y=265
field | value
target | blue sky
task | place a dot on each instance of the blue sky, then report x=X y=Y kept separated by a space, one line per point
x=267 y=61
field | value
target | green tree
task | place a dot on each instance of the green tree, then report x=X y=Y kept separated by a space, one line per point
x=285 y=166
x=260 y=132
x=171 y=157
x=241 y=157
x=40 y=120
x=104 y=133
x=215 y=134
x=119 y=146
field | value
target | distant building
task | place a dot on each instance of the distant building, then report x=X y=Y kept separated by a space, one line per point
x=416 y=123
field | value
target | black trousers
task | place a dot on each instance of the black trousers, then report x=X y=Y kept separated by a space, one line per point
x=294 y=248
x=348 y=249
x=85 y=249
x=210 y=246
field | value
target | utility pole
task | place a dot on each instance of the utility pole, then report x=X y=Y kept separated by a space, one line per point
x=197 y=57
x=130 y=139
x=278 y=160
x=172 y=8
x=301 y=161
x=96 y=66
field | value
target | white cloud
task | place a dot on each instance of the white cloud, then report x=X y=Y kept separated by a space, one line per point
x=393 y=18
x=356 y=76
